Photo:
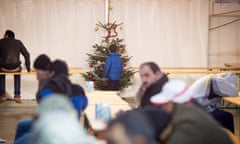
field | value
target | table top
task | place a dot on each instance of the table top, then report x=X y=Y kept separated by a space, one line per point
x=234 y=100
x=107 y=97
x=110 y=98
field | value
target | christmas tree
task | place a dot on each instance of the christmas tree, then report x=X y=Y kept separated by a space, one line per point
x=97 y=59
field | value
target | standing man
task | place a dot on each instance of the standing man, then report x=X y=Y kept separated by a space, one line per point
x=10 y=50
x=113 y=69
x=152 y=81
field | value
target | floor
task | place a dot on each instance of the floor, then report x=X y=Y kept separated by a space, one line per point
x=11 y=113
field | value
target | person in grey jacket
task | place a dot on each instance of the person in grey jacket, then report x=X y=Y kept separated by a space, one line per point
x=207 y=92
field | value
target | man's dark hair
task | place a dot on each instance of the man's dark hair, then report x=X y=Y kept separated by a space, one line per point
x=135 y=124
x=59 y=67
x=42 y=62
x=9 y=34
x=153 y=66
x=113 y=48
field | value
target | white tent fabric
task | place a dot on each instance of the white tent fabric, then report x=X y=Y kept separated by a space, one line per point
x=170 y=32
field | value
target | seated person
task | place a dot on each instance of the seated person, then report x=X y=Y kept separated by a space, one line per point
x=57 y=83
x=60 y=83
x=62 y=127
x=41 y=65
x=207 y=92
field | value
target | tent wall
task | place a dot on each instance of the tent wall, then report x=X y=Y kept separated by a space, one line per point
x=224 y=42
x=170 y=32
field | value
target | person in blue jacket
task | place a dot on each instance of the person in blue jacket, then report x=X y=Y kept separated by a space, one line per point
x=61 y=83
x=113 y=69
x=58 y=83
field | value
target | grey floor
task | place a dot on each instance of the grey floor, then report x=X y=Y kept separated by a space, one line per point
x=11 y=113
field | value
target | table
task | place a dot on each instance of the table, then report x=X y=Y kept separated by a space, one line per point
x=110 y=98
x=236 y=101
x=233 y=100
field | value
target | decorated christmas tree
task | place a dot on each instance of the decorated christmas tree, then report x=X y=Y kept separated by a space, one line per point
x=96 y=60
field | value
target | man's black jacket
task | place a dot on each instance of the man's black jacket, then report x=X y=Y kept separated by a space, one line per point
x=10 y=50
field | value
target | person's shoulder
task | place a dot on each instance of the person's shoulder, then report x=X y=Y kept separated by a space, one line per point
x=17 y=40
x=77 y=90
x=2 y=40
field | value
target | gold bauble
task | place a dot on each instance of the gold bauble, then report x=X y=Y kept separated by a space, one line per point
x=98 y=62
x=110 y=7
x=108 y=26
x=96 y=28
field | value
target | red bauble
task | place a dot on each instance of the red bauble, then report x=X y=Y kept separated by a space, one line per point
x=123 y=50
x=124 y=65
x=91 y=65
x=90 y=76
x=100 y=68
x=95 y=86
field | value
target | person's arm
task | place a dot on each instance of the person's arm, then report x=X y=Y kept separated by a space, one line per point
x=107 y=67
x=26 y=56
x=224 y=88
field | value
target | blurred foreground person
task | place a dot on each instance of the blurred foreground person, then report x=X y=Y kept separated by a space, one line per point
x=57 y=122
x=130 y=127
x=191 y=125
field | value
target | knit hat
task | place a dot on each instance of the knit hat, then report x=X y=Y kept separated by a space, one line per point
x=59 y=67
x=59 y=128
x=42 y=62
x=53 y=103
x=174 y=91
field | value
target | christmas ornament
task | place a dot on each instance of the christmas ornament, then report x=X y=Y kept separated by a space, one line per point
x=112 y=27
x=98 y=62
x=96 y=28
x=90 y=76
x=122 y=50
x=91 y=65
x=100 y=68
x=103 y=40
x=110 y=7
